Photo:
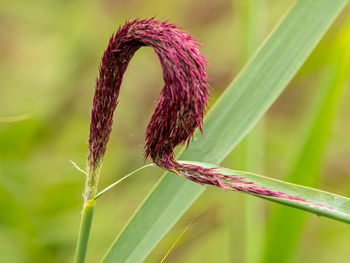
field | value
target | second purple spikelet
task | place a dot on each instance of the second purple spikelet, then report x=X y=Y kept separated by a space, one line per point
x=180 y=107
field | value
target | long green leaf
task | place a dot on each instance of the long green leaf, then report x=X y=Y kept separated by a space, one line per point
x=281 y=242
x=235 y=113
x=316 y=201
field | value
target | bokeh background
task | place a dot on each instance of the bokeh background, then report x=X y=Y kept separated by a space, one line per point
x=49 y=56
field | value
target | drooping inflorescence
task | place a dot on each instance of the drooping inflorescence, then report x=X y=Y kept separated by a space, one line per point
x=183 y=98
x=180 y=107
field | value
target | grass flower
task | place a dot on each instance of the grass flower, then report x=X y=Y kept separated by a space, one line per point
x=180 y=108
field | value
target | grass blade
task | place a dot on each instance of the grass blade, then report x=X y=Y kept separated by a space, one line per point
x=235 y=113
x=330 y=205
x=310 y=154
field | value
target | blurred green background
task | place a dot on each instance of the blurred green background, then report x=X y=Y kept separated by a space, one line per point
x=49 y=57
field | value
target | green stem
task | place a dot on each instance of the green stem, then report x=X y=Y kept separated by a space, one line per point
x=253 y=24
x=84 y=232
x=89 y=205
x=92 y=176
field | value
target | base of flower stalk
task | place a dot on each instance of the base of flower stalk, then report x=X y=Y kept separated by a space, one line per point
x=84 y=232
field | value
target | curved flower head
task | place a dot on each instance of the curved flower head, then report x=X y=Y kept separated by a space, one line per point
x=180 y=108
x=182 y=100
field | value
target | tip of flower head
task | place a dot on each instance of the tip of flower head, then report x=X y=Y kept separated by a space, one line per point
x=182 y=101
x=210 y=176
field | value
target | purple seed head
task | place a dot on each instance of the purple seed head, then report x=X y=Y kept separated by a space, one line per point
x=180 y=107
x=183 y=98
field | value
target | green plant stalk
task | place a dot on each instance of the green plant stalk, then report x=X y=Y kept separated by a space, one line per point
x=253 y=25
x=89 y=205
x=84 y=232
x=253 y=228
x=92 y=176
x=245 y=159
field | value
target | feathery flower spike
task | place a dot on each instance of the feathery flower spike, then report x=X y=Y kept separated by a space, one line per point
x=180 y=107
